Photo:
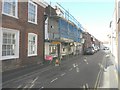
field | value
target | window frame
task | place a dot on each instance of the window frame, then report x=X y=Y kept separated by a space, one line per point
x=36 y=6
x=36 y=43
x=12 y=31
x=16 y=10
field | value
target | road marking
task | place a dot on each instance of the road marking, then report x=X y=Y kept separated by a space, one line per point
x=19 y=86
x=85 y=86
x=97 y=79
x=32 y=85
x=70 y=69
x=74 y=65
x=27 y=75
x=34 y=80
x=63 y=74
x=77 y=69
x=26 y=86
x=107 y=55
x=100 y=65
x=42 y=87
x=86 y=61
x=54 y=80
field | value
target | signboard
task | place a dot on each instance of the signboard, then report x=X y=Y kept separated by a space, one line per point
x=67 y=40
x=55 y=42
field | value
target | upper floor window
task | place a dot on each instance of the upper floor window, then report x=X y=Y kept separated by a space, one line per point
x=10 y=7
x=32 y=12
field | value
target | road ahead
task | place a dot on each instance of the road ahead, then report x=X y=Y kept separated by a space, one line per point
x=76 y=72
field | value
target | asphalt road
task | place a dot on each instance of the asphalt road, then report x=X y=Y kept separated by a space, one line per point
x=77 y=72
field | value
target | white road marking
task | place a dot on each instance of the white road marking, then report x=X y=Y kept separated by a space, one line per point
x=107 y=55
x=54 y=80
x=86 y=85
x=77 y=69
x=26 y=86
x=100 y=65
x=34 y=80
x=32 y=85
x=70 y=69
x=86 y=61
x=74 y=65
x=19 y=86
x=63 y=74
x=42 y=87
x=83 y=86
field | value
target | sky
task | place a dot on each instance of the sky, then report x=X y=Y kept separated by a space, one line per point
x=94 y=15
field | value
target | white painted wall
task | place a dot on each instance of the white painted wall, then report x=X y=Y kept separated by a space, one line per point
x=47 y=48
x=46 y=29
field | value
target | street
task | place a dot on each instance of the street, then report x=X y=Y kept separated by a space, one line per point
x=76 y=72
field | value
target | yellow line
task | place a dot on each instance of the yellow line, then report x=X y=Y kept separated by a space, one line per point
x=95 y=86
x=97 y=80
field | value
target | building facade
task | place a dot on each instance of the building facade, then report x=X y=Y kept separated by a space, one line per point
x=62 y=36
x=21 y=33
x=88 y=40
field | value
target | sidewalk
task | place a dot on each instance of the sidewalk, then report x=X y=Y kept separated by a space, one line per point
x=110 y=74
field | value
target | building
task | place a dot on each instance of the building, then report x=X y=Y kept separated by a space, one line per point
x=62 y=35
x=51 y=32
x=88 y=40
x=21 y=33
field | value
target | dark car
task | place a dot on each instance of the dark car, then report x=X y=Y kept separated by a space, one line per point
x=89 y=50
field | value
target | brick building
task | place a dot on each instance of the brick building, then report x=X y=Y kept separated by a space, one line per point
x=88 y=40
x=21 y=34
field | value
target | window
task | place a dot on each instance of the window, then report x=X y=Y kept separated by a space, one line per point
x=10 y=7
x=52 y=49
x=32 y=12
x=10 y=43
x=32 y=44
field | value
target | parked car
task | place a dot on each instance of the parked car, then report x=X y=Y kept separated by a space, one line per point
x=89 y=50
x=95 y=48
x=98 y=48
x=106 y=49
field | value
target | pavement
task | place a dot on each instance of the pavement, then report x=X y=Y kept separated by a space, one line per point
x=110 y=74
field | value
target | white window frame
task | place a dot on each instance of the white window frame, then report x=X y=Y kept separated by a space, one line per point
x=13 y=31
x=36 y=36
x=16 y=9
x=29 y=1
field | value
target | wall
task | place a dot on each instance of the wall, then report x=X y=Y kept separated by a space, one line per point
x=25 y=27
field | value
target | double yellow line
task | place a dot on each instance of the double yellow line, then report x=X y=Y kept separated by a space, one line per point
x=99 y=75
